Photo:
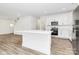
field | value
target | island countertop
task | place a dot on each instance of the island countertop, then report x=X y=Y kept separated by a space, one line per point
x=33 y=31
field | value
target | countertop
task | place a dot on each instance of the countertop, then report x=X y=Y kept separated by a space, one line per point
x=33 y=31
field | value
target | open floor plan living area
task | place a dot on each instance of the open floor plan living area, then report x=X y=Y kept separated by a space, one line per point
x=39 y=29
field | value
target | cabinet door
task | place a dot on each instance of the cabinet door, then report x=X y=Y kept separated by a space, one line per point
x=65 y=32
x=65 y=20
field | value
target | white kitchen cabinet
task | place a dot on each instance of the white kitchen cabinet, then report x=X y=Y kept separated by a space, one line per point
x=65 y=22
x=65 y=32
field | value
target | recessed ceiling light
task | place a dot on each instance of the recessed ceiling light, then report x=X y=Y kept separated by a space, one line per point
x=63 y=8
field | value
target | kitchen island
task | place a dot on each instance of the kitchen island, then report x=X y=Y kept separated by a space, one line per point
x=37 y=40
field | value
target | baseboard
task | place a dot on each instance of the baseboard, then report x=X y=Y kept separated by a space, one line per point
x=5 y=33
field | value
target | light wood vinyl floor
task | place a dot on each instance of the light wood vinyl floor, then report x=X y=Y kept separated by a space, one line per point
x=61 y=46
x=11 y=49
x=11 y=44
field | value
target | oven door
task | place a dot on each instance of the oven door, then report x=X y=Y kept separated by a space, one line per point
x=54 y=31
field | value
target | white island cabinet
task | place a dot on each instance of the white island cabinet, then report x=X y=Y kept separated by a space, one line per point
x=37 y=40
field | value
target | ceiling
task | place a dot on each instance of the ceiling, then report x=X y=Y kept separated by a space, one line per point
x=34 y=9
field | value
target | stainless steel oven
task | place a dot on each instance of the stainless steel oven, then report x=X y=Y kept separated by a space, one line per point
x=54 y=28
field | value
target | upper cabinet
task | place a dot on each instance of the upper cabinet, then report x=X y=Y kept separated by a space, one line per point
x=62 y=19
x=65 y=22
x=66 y=19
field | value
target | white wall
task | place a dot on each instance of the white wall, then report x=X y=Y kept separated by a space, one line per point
x=65 y=19
x=4 y=25
x=12 y=27
x=40 y=24
x=25 y=23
